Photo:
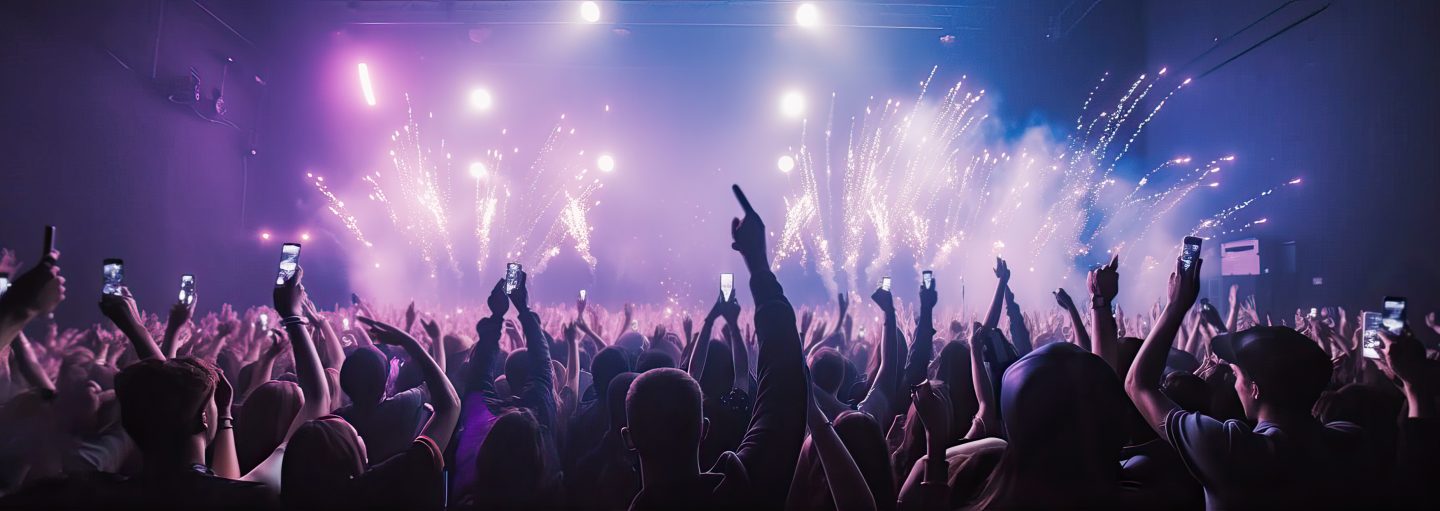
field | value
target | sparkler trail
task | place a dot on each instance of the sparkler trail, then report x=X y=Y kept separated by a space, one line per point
x=489 y=211
x=931 y=178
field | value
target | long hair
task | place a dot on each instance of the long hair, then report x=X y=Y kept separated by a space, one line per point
x=510 y=467
x=322 y=457
x=264 y=420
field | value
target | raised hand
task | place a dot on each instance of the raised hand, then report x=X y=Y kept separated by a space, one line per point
x=806 y=318
x=884 y=299
x=386 y=334
x=748 y=233
x=1184 y=286
x=928 y=296
x=432 y=329
x=932 y=404
x=1063 y=298
x=290 y=295
x=1104 y=282
x=520 y=296
x=410 y=317
x=1002 y=270
x=497 y=301
x=121 y=308
x=35 y=292
x=1405 y=359
x=844 y=300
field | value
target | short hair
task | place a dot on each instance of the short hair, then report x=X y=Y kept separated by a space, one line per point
x=662 y=409
x=517 y=369
x=363 y=375
x=653 y=359
x=1188 y=391
x=162 y=400
x=827 y=368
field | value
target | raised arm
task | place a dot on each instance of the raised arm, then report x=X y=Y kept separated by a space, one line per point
x=539 y=393
x=29 y=367
x=1077 y=324
x=847 y=483
x=987 y=416
x=332 y=353
x=480 y=370
x=1002 y=273
x=1019 y=332
x=442 y=395
x=880 y=401
x=180 y=315
x=700 y=351
x=777 y=427
x=223 y=459
x=1104 y=284
x=1143 y=382
x=35 y=292
x=121 y=309
x=308 y=371
x=928 y=488
x=922 y=348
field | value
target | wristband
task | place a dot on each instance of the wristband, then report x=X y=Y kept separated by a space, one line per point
x=1099 y=302
x=227 y=423
x=294 y=320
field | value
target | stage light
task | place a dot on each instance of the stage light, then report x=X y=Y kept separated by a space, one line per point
x=304 y=236
x=478 y=170
x=807 y=15
x=605 y=162
x=792 y=104
x=265 y=236
x=786 y=163
x=480 y=99
x=590 y=12
x=365 y=85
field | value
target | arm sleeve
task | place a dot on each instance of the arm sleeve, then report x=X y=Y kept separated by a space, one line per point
x=479 y=374
x=777 y=426
x=1206 y=446
x=539 y=395
x=1019 y=333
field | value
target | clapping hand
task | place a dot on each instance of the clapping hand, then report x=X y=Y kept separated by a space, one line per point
x=386 y=334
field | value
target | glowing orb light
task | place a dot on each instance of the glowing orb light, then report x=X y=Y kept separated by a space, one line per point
x=807 y=15
x=590 y=12
x=478 y=170
x=605 y=162
x=792 y=104
x=786 y=163
x=480 y=99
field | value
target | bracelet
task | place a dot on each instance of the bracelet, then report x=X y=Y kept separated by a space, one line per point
x=294 y=320
x=227 y=423
x=1099 y=302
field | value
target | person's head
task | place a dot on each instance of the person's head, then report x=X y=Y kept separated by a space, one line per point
x=363 y=376
x=827 y=369
x=1277 y=370
x=719 y=373
x=165 y=404
x=77 y=396
x=664 y=423
x=653 y=359
x=862 y=437
x=264 y=420
x=614 y=397
x=1065 y=412
x=633 y=343
x=1187 y=390
x=954 y=370
x=511 y=463
x=608 y=363
x=517 y=370
x=320 y=458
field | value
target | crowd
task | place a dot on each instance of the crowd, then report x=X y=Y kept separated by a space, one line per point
x=761 y=407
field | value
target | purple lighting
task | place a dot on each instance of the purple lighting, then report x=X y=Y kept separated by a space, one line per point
x=365 y=84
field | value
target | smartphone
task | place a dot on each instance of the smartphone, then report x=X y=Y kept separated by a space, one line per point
x=345 y=323
x=187 y=289
x=1370 y=338
x=49 y=240
x=289 y=261
x=927 y=279
x=1314 y=312
x=264 y=321
x=1393 y=318
x=512 y=277
x=114 y=272
x=4 y=282
x=582 y=295
x=727 y=285
x=1191 y=252
x=885 y=283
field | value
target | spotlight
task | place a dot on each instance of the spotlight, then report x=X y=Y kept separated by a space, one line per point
x=365 y=86
x=786 y=163
x=264 y=235
x=590 y=12
x=605 y=162
x=478 y=170
x=792 y=104
x=480 y=99
x=807 y=15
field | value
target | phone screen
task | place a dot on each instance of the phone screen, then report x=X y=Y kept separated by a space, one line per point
x=512 y=276
x=927 y=279
x=4 y=282
x=289 y=261
x=1191 y=252
x=582 y=294
x=1393 y=319
x=1370 y=340
x=345 y=323
x=264 y=320
x=1314 y=312
x=885 y=283
x=114 y=272
x=187 y=289
x=727 y=285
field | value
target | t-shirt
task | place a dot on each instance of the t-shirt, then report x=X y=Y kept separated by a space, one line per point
x=1302 y=466
x=196 y=488
x=389 y=428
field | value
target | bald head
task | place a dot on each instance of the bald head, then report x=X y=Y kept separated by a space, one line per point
x=663 y=412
